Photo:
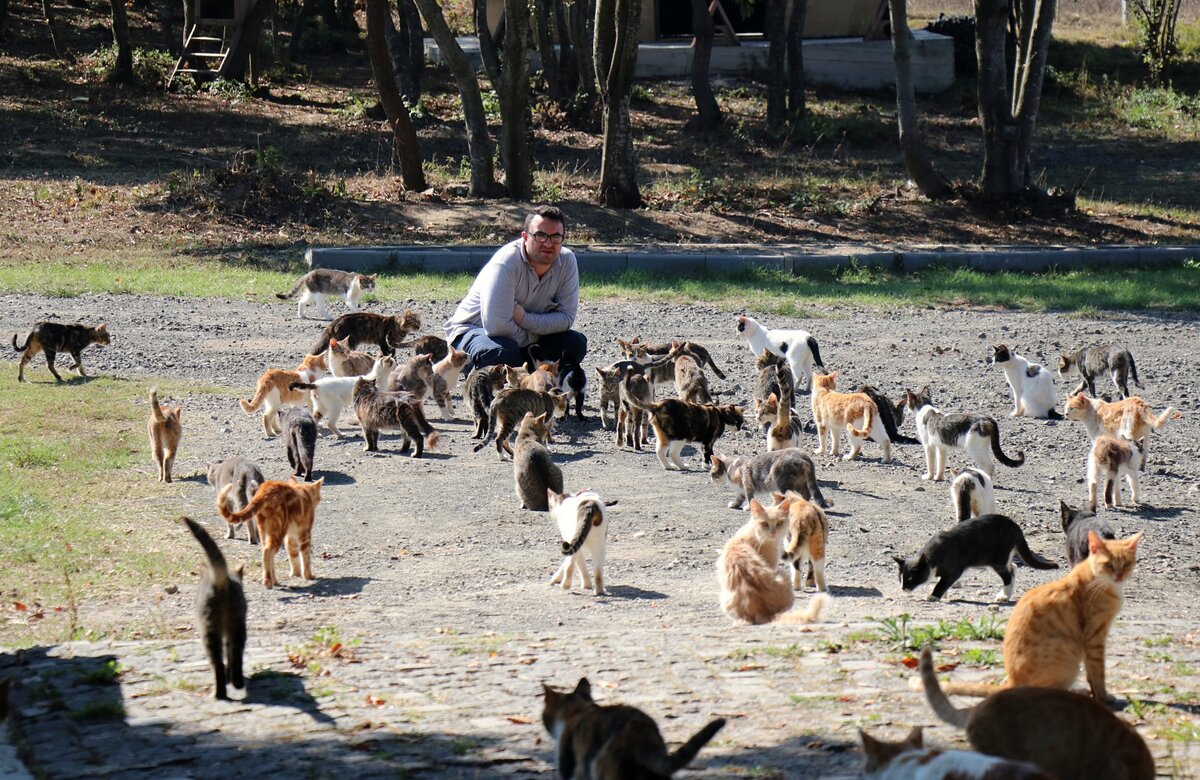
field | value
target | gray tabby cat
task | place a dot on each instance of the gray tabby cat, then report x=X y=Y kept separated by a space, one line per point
x=509 y=408
x=1091 y=362
x=479 y=391
x=777 y=471
x=533 y=471
x=1076 y=523
x=316 y=284
x=246 y=476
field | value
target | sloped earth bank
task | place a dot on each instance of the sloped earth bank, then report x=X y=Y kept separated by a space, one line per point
x=442 y=580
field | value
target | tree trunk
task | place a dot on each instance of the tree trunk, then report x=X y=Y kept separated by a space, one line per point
x=580 y=24
x=1031 y=74
x=703 y=27
x=245 y=42
x=543 y=33
x=479 y=143
x=912 y=144
x=188 y=21
x=306 y=12
x=510 y=79
x=776 y=27
x=51 y=21
x=166 y=22
x=3 y=17
x=408 y=51
x=411 y=174
x=795 y=60
x=616 y=46
x=568 y=65
x=123 y=71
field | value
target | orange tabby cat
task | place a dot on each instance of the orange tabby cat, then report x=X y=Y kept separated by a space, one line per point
x=1056 y=626
x=833 y=411
x=285 y=513
x=165 y=430
x=807 y=533
x=272 y=392
x=1130 y=417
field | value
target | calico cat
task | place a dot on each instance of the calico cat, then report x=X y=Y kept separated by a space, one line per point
x=1130 y=418
x=752 y=588
x=909 y=759
x=220 y=615
x=1031 y=384
x=633 y=424
x=509 y=408
x=832 y=411
x=614 y=742
x=1063 y=733
x=285 y=512
x=319 y=282
x=990 y=540
x=245 y=476
x=55 y=337
x=543 y=378
x=1056 y=626
x=364 y=327
x=972 y=495
x=690 y=383
x=639 y=350
x=572 y=380
x=434 y=345
x=1112 y=458
x=1077 y=524
x=533 y=471
x=1091 y=362
x=892 y=414
x=677 y=423
x=583 y=526
x=300 y=437
x=779 y=471
x=798 y=347
x=786 y=431
x=807 y=535
x=972 y=433
x=273 y=391
x=344 y=361
x=395 y=411
x=479 y=391
x=331 y=395
x=165 y=429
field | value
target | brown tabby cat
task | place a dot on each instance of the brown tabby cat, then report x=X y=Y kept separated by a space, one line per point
x=544 y=378
x=807 y=533
x=1056 y=626
x=785 y=430
x=633 y=424
x=165 y=429
x=479 y=391
x=434 y=345
x=364 y=327
x=55 y=337
x=285 y=513
x=832 y=411
x=1064 y=733
x=378 y=410
x=1130 y=418
x=690 y=383
x=344 y=361
x=636 y=349
x=771 y=380
x=677 y=423
x=415 y=376
x=614 y=742
x=273 y=391
x=533 y=471
x=509 y=408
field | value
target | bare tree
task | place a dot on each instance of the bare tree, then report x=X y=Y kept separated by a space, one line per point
x=243 y=48
x=1156 y=20
x=51 y=20
x=407 y=45
x=912 y=144
x=510 y=79
x=123 y=70
x=578 y=19
x=616 y=46
x=708 y=112
x=411 y=174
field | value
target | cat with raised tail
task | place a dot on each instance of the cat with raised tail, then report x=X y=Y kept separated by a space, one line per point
x=1130 y=418
x=365 y=327
x=785 y=430
x=976 y=434
x=245 y=476
x=165 y=428
x=220 y=615
x=533 y=471
x=1063 y=733
x=274 y=391
x=583 y=525
x=613 y=742
x=807 y=536
x=285 y=512
x=1111 y=459
x=1091 y=362
x=331 y=395
x=778 y=471
x=972 y=494
x=909 y=759
x=509 y=408
x=54 y=337
x=798 y=347
x=1031 y=384
x=319 y=282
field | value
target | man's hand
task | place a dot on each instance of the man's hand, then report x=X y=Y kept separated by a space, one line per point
x=518 y=314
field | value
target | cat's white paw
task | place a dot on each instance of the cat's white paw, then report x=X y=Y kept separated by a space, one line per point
x=927 y=477
x=1002 y=596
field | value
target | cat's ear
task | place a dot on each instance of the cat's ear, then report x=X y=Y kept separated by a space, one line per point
x=240 y=571
x=898 y=560
x=584 y=689
x=772 y=399
x=1095 y=543
x=102 y=326
x=778 y=497
x=915 y=740
x=925 y=391
x=553 y=498
x=1133 y=540
x=756 y=509
x=316 y=486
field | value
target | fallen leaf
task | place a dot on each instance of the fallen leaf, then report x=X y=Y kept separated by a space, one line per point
x=909 y=662
x=19 y=607
x=949 y=667
x=750 y=667
x=375 y=701
x=527 y=661
x=518 y=719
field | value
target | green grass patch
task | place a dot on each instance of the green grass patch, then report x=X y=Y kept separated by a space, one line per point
x=902 y=634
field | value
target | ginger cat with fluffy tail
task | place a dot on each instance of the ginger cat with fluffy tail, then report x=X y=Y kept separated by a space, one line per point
x=753 y=590
x=833 y=411
x=285 y=512
x=273 y=391
x=1059 y=625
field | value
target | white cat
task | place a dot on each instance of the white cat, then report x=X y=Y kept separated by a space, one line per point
x=332 y=394
x=798 y=347
x=972 y=495
x=1031 y=384
x=909 y=759
x=584 y=529
x=316 y=284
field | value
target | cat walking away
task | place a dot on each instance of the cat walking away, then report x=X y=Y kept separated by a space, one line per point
x=533 y=470
x=285 y=512
x=165 y=429
x=245 y=476
x=972 y=494
x=316 y=284
x=1031 y=384
x=300 y=437
x=1111 y=459
x=55 y=337
x=583 y=525
x=807 y=537
x=220 y=615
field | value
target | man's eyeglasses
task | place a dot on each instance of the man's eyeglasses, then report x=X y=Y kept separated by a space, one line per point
x=553 y=238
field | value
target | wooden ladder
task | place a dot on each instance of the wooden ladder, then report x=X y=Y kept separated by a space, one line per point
x=204 y=52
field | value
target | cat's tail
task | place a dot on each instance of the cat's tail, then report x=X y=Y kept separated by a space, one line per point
x=1054 y=414
x=708 y=359
x=594 y=516
x=688 y=750
x=1133 y=373
x=301 y=386
x=216 y=560
x=811 y=614
x=323 y=343
x=1012 y=463
x=491 y=431
x=866 y=429
x=156 y=412
x=1032 y=558
x=1158 y=422
x=816 y=352
x=260 y=395
x=938 y=701
x=30 y=338
x=240 y=516
x=291 y=293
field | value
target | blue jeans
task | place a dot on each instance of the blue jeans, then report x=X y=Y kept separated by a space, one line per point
x=488 y=350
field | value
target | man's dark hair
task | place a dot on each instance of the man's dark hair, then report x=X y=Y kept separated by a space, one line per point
x=546 y=212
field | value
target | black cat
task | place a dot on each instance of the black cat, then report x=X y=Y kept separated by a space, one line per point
x=55 y=337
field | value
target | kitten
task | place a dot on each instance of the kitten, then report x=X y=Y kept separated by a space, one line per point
x=990 y=540
x=832 y=411
x=615 y=742
x=344 y=361
x=434 y=345
x=273 y=391
x=770 y=383
x=533 y=471
x=300 y=437
x=972 y=433
x=677 y=423
x=1112 y=458
x=479 y=391
x=909 y=759
x=1056 y=626
x=319 y=282
x=1130 y=418
x=752 y=588
x=245 y=476
x=798 y=347
x=1031 y=384
x=331 y=395
x=396 y=411
x=1091 y=362
x=633 y=424
x=583 y=526
x=220 y=615
x=446 y=372
x=769 y=472
x=690 y=383
x=572 y=380
x=364 y=327
x=638 y=349
x=972 y=495
x=165 y=429
x=55 y=337
x=892 y=414
x=1077 y=523
x=1064 y=733
x=285 y=512
x=786 y=431
x=509 y=408
x=807 y=534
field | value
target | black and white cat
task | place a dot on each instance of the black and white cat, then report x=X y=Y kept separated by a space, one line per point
x=798 y=347
x=316 y=284
x=1031 y=384
x=972 y=494
x=976 y=434
x=572 y=380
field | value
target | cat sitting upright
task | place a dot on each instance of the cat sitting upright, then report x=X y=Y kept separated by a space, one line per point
x=583 y=525
x=220 y=615
x=1031 y=384
x=343 y=361
x=165 y=429
x=319 y=282
x=55 y=337
x=972 y=433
